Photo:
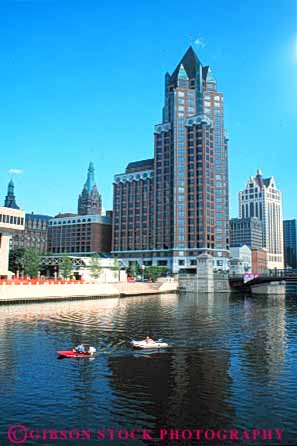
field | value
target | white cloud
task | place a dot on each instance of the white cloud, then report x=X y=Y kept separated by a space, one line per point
x=200 y=42
x=15 y=171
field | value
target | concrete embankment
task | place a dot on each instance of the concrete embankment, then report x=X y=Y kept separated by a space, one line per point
x=12 y=294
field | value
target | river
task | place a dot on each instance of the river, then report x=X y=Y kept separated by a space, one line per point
x=231 y=363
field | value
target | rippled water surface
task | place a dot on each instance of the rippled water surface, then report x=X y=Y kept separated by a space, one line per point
x=231 y=362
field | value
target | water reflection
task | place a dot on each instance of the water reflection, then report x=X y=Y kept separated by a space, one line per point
x=230 y=362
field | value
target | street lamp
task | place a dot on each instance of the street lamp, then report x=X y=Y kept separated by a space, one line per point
x=142 y=269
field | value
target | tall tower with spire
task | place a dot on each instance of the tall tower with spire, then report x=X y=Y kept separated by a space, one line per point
x=90 y=201
x=10 y=197
x=188 y=208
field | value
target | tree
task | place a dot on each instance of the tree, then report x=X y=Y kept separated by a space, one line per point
x=16 y=259
x=95 y=266
x=31 y=262
x=134 y=268
x=116 y=267
x=65 y=267
x=154 y=272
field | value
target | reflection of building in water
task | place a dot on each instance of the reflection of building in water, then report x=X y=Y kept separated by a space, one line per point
x=276 y=343
x=177 y=389
x=187 y=385
x=7 y=377
x=266 y=344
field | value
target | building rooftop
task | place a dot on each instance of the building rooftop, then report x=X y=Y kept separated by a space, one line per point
x=33 y=216
x=190 y=64
x=139 y=166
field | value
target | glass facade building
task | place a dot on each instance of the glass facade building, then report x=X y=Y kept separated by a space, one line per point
x=246 y=231
x=290 y=243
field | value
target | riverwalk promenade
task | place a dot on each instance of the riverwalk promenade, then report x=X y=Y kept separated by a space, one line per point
x=54 y=290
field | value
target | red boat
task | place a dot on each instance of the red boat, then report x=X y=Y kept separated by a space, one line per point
x=71 y=354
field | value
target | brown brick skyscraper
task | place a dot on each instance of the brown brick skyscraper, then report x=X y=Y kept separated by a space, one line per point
x=186 y=183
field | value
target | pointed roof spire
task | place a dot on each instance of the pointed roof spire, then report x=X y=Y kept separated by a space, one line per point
x=90 y=183
x=10 y=197
x=209 y=75
x=190 y=63
x=90 y=201
x=259 y=178
x=182 y=73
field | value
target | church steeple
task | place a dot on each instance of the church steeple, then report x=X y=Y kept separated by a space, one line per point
x=90 y=183
x=89 y=201
x=10 y=197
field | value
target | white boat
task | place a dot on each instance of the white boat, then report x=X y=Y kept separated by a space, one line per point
x=151 y=344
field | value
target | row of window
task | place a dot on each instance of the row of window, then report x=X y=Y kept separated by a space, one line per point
x=11 y=219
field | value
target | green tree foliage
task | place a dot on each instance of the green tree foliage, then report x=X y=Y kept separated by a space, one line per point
x=116 y=265
x=65 y=267
x=16 y=259
x=134 y=269
x=31 y=262
x=154 y=272
x=116 y=268
x=95 y=266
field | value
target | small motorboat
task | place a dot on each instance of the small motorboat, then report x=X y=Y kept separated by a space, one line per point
x=71 y=354
x=74 y=354
x=149 y=344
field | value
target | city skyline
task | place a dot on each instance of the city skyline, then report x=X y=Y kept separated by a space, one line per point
x=62 y=108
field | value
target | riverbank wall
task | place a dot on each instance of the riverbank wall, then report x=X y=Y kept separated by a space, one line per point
x=26 y=293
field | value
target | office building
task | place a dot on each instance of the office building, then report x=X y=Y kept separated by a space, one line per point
x=79 y=234
x=246 y=231
x=263 y=200
x=170 y=209
x=290 y=243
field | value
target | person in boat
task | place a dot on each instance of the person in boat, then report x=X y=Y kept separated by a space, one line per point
x=79 y=348
x=91 y=350
x=149 y=340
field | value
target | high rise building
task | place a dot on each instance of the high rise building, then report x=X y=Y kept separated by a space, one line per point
x=246 y=231
x=170 y=209
x=89 y=201
x=290 y=243
x=10 y=197
x=262 y=199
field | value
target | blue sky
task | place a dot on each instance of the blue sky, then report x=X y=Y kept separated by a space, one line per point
x=83 y=81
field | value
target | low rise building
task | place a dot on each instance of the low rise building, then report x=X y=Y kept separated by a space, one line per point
x=11 y=221
x=108 y=269
x=34 y=234
x=259 y=260
x=79 y=234
x=241 y=260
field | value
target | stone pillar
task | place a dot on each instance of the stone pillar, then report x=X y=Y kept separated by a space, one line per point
x=205 y=275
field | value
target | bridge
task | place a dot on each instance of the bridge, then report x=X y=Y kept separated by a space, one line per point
x=246 y=281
